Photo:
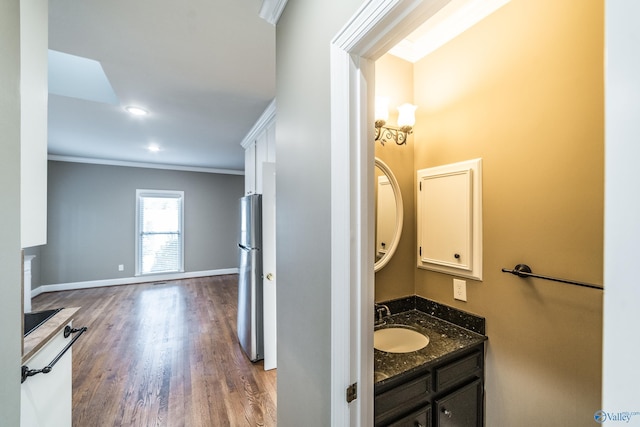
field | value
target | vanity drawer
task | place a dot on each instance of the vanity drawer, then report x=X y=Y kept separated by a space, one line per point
x=458 y=371
x=398 y=400
x=419 y=418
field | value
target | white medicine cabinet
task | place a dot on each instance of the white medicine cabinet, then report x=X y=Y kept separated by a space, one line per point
x=450 y=219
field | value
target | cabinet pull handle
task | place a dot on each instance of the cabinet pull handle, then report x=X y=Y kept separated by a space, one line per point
x=447 y=412
x=26 y=372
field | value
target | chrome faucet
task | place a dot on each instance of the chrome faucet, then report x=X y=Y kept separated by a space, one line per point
x=382 y=311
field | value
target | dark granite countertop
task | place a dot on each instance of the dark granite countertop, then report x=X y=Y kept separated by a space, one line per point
x=445 y=339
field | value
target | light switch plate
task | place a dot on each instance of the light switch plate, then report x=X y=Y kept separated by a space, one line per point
x=460 y=289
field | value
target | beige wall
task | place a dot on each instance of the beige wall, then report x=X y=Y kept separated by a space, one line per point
x=523 y=90
x=394 y=79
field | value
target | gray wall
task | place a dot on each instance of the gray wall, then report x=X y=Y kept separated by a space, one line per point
x=91 y=220
x=10 y=303
x=303 y=208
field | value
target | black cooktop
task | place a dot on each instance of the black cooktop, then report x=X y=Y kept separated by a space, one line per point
x=33 y=320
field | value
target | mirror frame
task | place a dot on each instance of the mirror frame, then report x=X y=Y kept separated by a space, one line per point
x=399 y=215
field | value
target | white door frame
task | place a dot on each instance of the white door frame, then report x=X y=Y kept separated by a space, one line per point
x=372 y=31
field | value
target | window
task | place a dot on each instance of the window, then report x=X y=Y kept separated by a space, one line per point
x=159 y=236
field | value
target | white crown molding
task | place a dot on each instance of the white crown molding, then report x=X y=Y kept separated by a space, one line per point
x=271 y=10
x=129 y=280
x=267 y=118
x=142 y=165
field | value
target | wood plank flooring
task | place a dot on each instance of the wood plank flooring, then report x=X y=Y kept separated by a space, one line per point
x=164 y=354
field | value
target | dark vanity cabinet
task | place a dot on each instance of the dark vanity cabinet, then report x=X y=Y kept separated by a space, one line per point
x=462 y=407
x=406 y=403
x=446 y=393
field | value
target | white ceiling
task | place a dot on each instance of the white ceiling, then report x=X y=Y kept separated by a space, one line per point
x=453 y=19
x=204 y=69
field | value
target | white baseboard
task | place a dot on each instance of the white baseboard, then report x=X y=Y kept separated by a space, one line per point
x=129 y=280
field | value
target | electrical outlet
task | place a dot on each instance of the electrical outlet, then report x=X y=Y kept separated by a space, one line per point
x=120 y=267
x=460 y=289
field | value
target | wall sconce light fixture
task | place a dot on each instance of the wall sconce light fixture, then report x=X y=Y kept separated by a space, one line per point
x=406 y=120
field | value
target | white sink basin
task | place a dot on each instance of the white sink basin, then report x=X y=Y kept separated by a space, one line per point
x=399 y=340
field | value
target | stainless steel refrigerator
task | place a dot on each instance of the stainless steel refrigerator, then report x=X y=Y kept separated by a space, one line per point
x=250 y=323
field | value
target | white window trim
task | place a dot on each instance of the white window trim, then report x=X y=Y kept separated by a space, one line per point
x=162 y=193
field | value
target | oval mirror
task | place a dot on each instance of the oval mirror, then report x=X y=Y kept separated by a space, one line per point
x=389 y=214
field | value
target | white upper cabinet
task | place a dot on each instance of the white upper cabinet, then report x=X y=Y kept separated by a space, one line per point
x=450 y=219
x=259 y=146
x=250 y=168
x=33 y=121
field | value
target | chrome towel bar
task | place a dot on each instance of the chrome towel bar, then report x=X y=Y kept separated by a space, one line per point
x=523 y=270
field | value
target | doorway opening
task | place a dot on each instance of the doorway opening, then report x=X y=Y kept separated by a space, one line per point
x=370 y=33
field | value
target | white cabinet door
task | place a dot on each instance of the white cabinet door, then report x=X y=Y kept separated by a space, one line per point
x=250 y=169
x=46 y=398
x=271 y=143
x=33 y=127
x=449 y=203
x=261 y=157
x=260 y=147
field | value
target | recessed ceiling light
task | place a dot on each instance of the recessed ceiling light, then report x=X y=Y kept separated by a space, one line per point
x=136 y=111
x=153 y=148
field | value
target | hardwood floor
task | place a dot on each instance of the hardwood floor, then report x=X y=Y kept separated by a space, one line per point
x=164 y=354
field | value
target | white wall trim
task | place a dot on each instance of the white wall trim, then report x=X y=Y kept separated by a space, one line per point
x=620 y=375
x=267 y=118
x=143 y=165
x=130 y=280
x=341 y=244
x=271 y=10
x=352 y=347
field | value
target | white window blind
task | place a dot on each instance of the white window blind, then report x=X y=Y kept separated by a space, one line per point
x=159 y=242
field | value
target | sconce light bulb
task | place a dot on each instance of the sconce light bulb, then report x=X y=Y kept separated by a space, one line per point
x=406 y=115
